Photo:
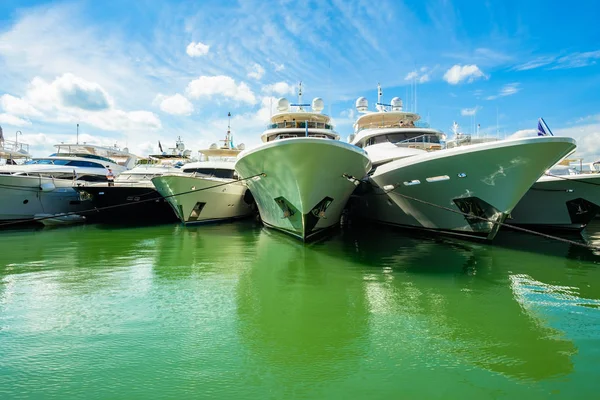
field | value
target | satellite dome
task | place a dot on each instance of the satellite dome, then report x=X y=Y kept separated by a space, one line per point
x=187 y=153
x=362 y=104
x=396 y=104
x=213 y=146
x=317 y=104
x=241 y=146
x=283 y=104
x=126 y=150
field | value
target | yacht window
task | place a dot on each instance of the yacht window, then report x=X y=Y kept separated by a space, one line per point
x=79 y=163
x=419 y=137
x=214 y=172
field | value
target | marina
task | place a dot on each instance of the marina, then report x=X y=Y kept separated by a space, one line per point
x=299 y=200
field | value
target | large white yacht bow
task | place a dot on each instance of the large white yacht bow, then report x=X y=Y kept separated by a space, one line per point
x=465 y=190
x=307 y=173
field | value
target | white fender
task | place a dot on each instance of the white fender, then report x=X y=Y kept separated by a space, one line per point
x=47 y=187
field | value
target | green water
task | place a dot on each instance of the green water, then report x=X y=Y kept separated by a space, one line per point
x=236 y=311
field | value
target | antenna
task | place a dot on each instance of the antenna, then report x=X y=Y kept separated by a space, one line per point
x=415 y=95
x=496 y=120
x=329 y=86
x=300 y=95
x=379 y=93
x=77 y=133
x=228 y=137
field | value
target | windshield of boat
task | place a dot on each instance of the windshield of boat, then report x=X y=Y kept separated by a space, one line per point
x=212 y=172
x=403 y=137
x=71 y=163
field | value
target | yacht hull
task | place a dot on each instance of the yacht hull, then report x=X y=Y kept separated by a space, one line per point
x=127 y=205
x=434 y=191
x=306 y=186
x=22 y=197
x=207 y=203
x=559 y=203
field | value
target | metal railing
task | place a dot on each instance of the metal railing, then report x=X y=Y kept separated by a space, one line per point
x=398 y=124
x=11 y=145
x=300 y=124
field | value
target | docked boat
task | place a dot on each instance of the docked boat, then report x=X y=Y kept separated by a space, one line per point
x=563 y=199
x=302 y=175
x=45 y=185
x=133 y=198
x=208 y=191
x=418 y=183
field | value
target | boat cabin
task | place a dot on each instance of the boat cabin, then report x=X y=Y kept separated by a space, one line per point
x=390 y=124
x=296 y=120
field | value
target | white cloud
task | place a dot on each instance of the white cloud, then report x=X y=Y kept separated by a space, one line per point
x=16 y=106
x=535 y=63
x=70 y=99
x=197 y=49
x=256 y=72
x=70 y=91
x=459 y=73
x=208 y=86
x=523 y=133
x=421 y=76
x=469 y=112
x=572 y=60
x=507 y=90
x=577 y=60
x=277 y=67
x=175 y=105
x=13 y=120
x=280 y=88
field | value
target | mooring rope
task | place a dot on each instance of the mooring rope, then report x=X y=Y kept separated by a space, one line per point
x=128 y=204
x=502 y=224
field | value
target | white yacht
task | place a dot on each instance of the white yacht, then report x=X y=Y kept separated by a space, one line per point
x=135 y=186
x=303 y=175
x=417 y=183
x=567 y=197
x=45 y=185
x=208 y=191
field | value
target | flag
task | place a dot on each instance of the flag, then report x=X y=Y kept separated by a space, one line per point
x=160 y=146
x=543 y=129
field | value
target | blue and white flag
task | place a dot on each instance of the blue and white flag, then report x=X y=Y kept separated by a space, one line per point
x=543 y=129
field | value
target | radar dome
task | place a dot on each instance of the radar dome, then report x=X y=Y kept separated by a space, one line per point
x=126 y=150
x=187 y=153
x=241 y=146
x=213 y=146
x=362 y=104
x=283 y=104
x=317 y=104
x=396 y=104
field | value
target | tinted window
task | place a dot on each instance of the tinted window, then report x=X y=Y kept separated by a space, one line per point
x=216 y=172
x=89 y=164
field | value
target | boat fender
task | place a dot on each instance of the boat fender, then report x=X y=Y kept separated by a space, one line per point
x=47 y=187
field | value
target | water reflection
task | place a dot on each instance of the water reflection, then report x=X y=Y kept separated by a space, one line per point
x=302 y=311
x=465 y=293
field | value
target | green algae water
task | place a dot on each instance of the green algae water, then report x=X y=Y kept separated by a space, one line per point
x=237 y=311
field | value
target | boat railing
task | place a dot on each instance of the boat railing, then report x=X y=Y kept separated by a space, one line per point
x=14 y=146
x=300 y=124
x=397 y=124
x=427 y=141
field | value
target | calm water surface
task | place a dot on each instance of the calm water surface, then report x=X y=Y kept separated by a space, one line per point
x=236 y=311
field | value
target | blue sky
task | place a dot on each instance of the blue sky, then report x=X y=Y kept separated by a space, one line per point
x=133 y=73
